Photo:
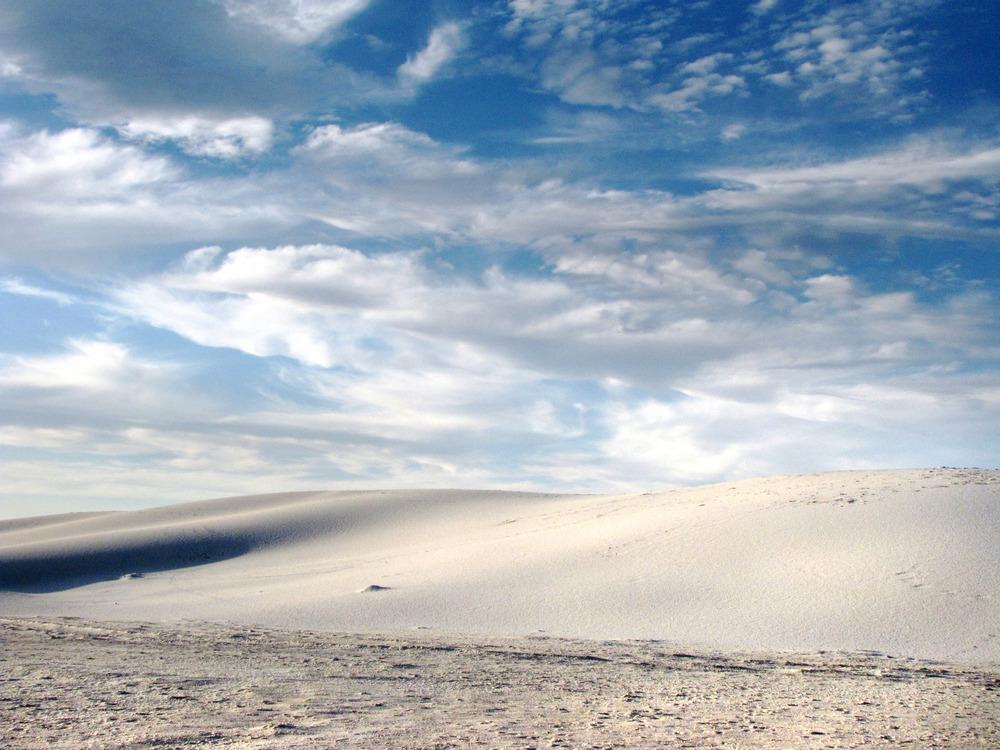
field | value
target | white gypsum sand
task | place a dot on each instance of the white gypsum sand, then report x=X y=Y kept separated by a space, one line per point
x=72 y=684
x=899 y=562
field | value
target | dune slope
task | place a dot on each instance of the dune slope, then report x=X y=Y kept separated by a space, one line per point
x=901 y=562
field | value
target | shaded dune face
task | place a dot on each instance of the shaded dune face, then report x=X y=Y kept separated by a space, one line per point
x=80 y=549
x=50 y=554
x=55 y=571
x=903 y=562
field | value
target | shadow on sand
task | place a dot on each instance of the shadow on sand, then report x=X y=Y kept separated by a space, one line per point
x=55 y=572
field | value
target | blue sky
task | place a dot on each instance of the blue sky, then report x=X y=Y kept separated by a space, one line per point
x=261 y=245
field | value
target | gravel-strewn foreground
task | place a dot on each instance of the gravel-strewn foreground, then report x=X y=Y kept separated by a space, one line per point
x=68 y=683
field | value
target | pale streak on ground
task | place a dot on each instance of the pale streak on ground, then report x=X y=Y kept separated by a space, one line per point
x=70 y=683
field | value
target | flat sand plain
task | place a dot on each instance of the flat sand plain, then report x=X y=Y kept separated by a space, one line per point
x=80 y=685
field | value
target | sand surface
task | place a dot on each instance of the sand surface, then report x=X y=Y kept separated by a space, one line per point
x=80 y=685
x=899 y=562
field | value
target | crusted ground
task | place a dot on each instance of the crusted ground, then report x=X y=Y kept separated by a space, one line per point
x=70 y=683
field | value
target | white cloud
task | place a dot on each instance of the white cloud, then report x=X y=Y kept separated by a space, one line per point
x=560 y=321
x=650 y=368
x=90 y=365
x=394 y=149
x=225 y=138
x=694 y=89
x=862 y=45
x=79 y=189
x=77 y=161
x=689 y=441
x=79 y=195
x=443 y=44
x=586 y=53
x=297 y=21
x=783 y=79
x=9 y=68
x=762 y=7
x=706 y=64
x=16 y=286
x=920 y=164
x=897 y=192
x=733 y=132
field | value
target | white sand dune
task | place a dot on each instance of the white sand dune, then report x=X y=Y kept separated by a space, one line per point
x=901 y=562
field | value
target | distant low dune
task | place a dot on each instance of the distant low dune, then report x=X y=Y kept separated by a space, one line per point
x=900 y=562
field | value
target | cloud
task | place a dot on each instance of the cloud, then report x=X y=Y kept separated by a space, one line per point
x=762 y=7
x=924 y=164
x=904 y=191
x=586 y=53
x=444 y=43
x=733 y=132
x=78 y=196
x=87 y=365
x=395 y=150
x=16 y=286
x=79 y=162
x=694 y=89
x=866 y=46
x=289 y=282
x=298 y=21
x=109 y=62
x=656 y=318
x=706 y=64
x=226 y=138
x=866 y=57
x=691 y=372
x=65 y=190
x=652 y=368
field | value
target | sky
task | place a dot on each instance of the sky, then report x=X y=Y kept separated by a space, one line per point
x=571 y=245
